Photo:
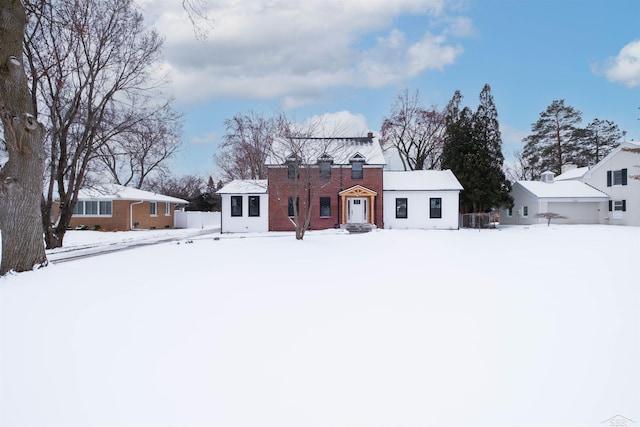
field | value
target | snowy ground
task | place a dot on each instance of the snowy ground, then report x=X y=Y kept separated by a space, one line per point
x=520 y=326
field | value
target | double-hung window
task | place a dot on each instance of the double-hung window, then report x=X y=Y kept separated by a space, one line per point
x=356 y=170
x=435 y=207
x=236 y=205
x=167 y=209
x=617 y=177
x=525 y=211
x=254 y=205
x=290 y=211
x=153 y=208
x=401 y=207
x=325 y=207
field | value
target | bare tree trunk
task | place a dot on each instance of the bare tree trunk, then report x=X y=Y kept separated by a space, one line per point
x=21 y=176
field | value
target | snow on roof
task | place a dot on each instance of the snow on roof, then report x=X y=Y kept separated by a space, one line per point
x=614 y=152
x=120 y=192
x=562 y=189
x=420 y=180
x=340 y=150
x=576 y=173
x=245 y=186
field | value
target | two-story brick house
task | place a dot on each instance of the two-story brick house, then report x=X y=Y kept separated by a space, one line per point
x=331 y=181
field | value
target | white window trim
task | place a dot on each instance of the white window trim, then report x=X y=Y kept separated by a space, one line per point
x=155 y=204
x=84 y=215
x=167 y=209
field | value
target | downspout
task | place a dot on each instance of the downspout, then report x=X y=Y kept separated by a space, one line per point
x=131 y=213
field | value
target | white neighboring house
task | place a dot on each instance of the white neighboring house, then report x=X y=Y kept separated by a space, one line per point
x=578 y=202
x=426 y=199
x=245 y=206
x=614 y=176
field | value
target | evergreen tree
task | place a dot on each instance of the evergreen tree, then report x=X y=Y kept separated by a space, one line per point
x=473 y=152
x=495 y=186
x=596 y=141
x=553 y=141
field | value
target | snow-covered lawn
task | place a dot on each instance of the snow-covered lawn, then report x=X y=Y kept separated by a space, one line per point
x=520 y=326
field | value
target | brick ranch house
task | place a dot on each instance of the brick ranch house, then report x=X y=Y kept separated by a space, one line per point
x=118 y=208
x=338 y=179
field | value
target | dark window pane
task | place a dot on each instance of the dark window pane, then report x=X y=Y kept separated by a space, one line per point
x=290 y=206
x=325 y=170
x=435 y=207
x=292 y=170
x=236 y=205
x=401 y=208
x=254 y=205
x=356 y=170
x=325 y=206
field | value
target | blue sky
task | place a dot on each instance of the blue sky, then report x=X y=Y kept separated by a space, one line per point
x=348 y=60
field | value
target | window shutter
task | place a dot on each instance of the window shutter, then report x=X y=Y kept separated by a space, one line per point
x=624 y=177
x=610 y=205
x=624 y=206
x=609 y=173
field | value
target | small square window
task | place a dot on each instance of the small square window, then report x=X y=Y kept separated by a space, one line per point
x=401 y=207
x=325 y=207
x=254 y=205
x=105 y=208
x=236 y=205
x=91 y=208
x=78 y=209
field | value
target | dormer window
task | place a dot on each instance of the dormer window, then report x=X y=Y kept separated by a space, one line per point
x=357 y=163
x=293 y=168
x=324 y=163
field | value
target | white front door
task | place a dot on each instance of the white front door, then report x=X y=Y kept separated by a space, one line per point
x=357 y=211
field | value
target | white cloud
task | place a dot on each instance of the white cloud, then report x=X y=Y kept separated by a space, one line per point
x=625 y=68
x=295 y=50
x=207 y=138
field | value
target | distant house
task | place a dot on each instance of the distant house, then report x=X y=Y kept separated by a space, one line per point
x=578 y=202
x=344 y=178
x=614 y=175
x=245 y=206
x=426 y=199
x=117 y=208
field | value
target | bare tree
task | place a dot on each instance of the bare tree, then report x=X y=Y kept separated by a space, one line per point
x=246 y=145
x=90 y=62
x=21 y=151
x=416 y=133
x=143 y=149
x=298 y=158
x=549 y=216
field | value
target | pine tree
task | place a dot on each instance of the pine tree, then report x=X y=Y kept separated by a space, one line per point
x=553 y=142
x=596 y=141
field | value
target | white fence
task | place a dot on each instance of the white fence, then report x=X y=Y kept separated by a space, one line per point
x=195 y=219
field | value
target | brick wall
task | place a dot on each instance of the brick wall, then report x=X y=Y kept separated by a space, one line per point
x=120 y=217
x=280 y=189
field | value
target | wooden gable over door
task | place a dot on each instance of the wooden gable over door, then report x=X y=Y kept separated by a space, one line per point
x=358 y=191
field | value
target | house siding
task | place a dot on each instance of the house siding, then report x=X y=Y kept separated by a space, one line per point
x=244 y=223
x=279 y=193
x=418 y=210
x=597 y=178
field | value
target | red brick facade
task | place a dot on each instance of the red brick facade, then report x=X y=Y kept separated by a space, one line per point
x=120 y=219
x=281 y=188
